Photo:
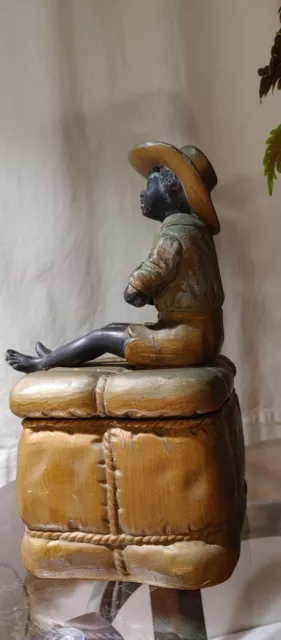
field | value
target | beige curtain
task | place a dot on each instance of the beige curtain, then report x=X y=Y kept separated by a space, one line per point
x=82 y=81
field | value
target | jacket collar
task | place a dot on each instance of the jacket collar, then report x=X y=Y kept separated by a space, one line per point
x=185 y=219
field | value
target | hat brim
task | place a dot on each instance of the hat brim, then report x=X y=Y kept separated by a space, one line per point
x=145 y=157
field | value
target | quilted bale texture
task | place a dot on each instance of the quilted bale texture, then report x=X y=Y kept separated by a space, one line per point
x=118 y=391
x=160 y=501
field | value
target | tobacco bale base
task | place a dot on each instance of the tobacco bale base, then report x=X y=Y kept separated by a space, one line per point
x=182 y=565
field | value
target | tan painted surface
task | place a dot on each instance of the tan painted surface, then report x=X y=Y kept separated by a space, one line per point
x=188 y=565
x=61 y=480
x=119 y=391
x=136 y=489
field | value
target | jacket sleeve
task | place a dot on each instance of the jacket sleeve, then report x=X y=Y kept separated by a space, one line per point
x=153 y=275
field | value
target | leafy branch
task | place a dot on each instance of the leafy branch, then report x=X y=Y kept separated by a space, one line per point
x=272 y=157
x=270 y=79
x=271 y=73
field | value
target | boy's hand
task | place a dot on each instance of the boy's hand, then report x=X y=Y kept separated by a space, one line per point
x=136 y=298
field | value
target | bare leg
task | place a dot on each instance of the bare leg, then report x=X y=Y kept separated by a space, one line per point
x=41 y=350
x=110 y=339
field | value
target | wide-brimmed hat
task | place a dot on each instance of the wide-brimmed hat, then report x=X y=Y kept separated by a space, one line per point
x=191 y=166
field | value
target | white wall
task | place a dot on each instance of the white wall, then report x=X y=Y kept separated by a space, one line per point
x=83 y=80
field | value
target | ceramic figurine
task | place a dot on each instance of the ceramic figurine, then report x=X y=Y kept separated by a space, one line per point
x=180 y=277
x=133 y=470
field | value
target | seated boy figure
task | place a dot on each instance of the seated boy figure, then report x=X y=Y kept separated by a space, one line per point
x=180 y=277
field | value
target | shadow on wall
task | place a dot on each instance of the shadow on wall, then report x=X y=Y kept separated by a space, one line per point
x=100 y=182
x=263 y=470
x=246 y=311
x=96 y=145
x=75 y=144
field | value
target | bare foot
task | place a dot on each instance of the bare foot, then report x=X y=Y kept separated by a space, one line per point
x=21 y=362
x=41 y=350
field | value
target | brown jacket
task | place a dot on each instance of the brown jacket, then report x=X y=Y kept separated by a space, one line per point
x=181 y=272
x=182 y=275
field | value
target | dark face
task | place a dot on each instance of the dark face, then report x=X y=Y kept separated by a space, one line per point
x=163 y=195
x=153 y=199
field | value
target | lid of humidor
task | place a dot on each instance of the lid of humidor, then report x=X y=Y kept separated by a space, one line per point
x=111 y=388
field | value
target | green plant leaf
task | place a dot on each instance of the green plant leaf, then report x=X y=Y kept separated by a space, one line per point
x=272 y=157
x=271 y=74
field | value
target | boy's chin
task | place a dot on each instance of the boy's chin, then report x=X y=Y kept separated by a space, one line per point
x=152 y=215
